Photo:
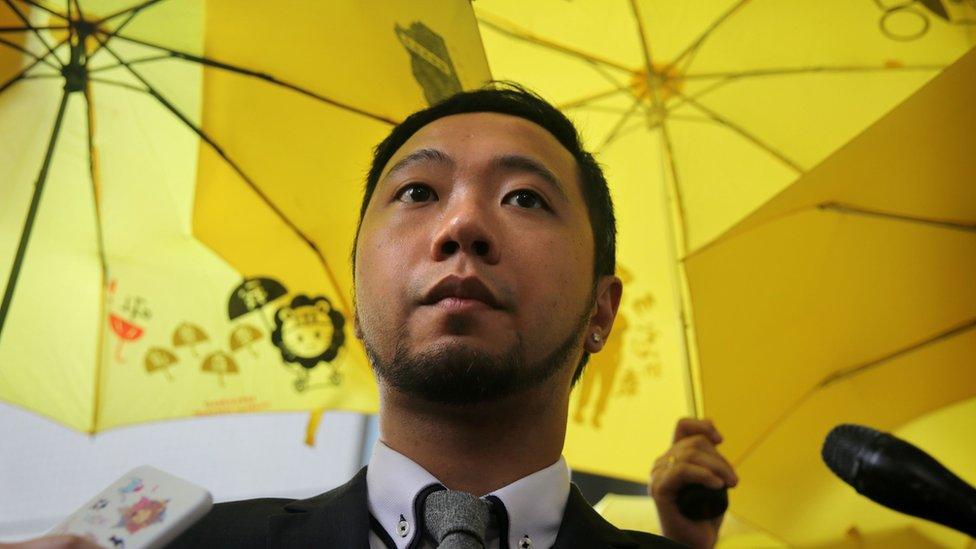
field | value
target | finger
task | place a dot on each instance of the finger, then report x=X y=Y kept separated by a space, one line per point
x=55 y=542
x=668 y=481
x=713 y=461
x=690 y=426
x=700 y=445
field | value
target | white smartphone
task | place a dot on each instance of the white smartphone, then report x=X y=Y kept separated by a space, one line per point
x=145 y=509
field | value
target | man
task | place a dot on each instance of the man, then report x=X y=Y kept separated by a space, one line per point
x=484 y=272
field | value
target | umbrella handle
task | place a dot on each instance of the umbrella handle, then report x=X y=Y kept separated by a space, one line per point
x=698 y=502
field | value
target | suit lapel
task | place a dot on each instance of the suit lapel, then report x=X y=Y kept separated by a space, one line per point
x=338 y=518
x=584 y=527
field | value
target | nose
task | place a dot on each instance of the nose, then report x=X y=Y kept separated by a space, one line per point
x=466 y=229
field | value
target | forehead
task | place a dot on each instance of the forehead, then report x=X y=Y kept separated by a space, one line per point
x=472 y=138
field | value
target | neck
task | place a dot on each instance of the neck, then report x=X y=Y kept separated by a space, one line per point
x=477 y=448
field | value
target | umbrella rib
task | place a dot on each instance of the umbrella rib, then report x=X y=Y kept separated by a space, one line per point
x=5 y=42
x=136 y=61
x=627 y=130
x=602 y=108
x=763 y=529
x=755 y=444
x=602 y=71
x=677 y=216
x=120 y=84
x=42 y=7
x=103 y=260
x=585 y=100
x=21 y=75
x=237 y=169
x=30 y=29
x=682 y=99
x=512 y=30
x=784 y=71
x=855 y=210
x=850 y=372
x=33 y=29
x=612 y=134
x=847 y=373
x=132 y=11
x=680 y=249
x=645 y=52
x=15 y=269
x=246 y=72
x=697 y=43
x=719 y=119
x=840 y=375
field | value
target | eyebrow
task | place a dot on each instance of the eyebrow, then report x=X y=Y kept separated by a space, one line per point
x=507 y=162
x=524 y=164
x=420 y=156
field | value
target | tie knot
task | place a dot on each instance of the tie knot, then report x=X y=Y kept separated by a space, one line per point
x=456 y=520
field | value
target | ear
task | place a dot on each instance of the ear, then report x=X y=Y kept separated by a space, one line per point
x=609 y=289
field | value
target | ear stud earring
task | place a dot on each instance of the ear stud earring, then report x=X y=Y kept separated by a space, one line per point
x=596 y=338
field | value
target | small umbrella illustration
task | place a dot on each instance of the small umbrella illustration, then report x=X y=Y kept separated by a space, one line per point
x=221 y=364
x=189 y=335
x=253 y=294
x=244 y=335
x=126 y=328
x=158 y=358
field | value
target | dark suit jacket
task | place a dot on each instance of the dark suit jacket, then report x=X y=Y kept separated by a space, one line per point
x=340 y=519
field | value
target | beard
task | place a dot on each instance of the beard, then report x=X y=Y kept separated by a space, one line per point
x=458 y=375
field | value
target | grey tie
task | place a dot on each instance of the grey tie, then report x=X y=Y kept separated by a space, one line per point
x=456 y=520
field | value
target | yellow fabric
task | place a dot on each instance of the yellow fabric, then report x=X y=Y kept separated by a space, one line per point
x=178 y=226
x=742 y=98
x=836 y=316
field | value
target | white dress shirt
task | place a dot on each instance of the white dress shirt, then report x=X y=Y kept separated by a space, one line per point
x=535 y=503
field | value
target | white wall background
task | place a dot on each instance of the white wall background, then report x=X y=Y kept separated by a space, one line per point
x=47 y=470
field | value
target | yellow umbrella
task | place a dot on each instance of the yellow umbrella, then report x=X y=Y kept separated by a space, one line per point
x=178 y=182
x=847 y=298
x=940 y=433
x=700 y=112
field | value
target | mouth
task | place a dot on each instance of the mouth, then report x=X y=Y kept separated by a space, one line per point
x=456 y=292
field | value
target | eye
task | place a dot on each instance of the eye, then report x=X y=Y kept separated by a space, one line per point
x=415 y=193
x=524 y=198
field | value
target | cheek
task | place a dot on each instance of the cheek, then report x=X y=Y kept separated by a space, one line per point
x=557 y=274
x=382 y=264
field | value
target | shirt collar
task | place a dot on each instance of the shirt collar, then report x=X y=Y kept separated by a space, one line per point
x=535 y=503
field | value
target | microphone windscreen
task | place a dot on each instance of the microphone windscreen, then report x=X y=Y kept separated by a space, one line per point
x=842 y=447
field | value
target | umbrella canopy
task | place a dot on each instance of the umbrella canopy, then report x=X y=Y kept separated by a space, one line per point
x=847 y=298
x=180 y=181
x=700 y=112
x=940 y=433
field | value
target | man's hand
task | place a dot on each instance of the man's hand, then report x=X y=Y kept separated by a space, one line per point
x=692 y=459
x=55 y=542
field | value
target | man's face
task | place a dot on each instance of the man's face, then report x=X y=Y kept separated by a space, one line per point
x=474 y=266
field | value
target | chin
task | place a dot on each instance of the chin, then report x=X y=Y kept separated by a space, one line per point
x=453 y=370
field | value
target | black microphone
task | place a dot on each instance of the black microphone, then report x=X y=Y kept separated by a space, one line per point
x=900 y=476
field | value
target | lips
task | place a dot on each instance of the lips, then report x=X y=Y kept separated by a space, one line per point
x=461 y=288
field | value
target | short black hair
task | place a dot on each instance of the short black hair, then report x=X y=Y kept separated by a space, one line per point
x=514 y=100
